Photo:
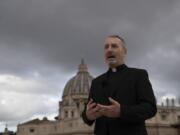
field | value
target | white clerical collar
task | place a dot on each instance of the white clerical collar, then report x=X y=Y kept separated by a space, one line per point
x=114 y=69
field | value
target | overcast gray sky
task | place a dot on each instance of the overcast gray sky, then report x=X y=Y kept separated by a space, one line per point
x=42 y=43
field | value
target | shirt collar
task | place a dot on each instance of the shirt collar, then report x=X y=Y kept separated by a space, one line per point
x=117 y=69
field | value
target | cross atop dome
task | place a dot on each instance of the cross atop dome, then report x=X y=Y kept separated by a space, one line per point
x=82 y=67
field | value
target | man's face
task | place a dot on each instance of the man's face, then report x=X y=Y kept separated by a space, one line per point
x=114 y=51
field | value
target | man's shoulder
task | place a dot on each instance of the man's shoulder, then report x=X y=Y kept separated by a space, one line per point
x=134 y=69
x=137 y=70
x=100 y=77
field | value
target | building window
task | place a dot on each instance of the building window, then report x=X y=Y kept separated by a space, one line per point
x=164 y=114
x=179 y=119
x=72 y=114
x=31 y=130
x=163 y=117
x=65 y=103
x=77 y=104
x=66 y=114
x=55 y=128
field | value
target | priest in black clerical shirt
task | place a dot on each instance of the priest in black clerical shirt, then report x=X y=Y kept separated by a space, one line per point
x=121 y=99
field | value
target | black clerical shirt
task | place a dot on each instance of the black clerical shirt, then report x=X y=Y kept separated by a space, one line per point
x=132 y=89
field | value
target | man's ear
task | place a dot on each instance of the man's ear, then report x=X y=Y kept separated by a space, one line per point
x=125 y=52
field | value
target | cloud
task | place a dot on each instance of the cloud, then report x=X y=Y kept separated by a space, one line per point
x=17 y=94
x=23 y=98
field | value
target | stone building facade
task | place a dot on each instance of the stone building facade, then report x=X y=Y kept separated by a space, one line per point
x=69 y=122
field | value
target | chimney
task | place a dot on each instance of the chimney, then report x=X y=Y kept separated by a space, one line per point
x=172 y=101
x=167 y=102
x=162 y=104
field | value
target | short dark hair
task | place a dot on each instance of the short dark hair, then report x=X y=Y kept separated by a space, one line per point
x=122 y=40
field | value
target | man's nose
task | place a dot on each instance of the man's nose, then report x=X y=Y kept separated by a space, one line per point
x=109 y=48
